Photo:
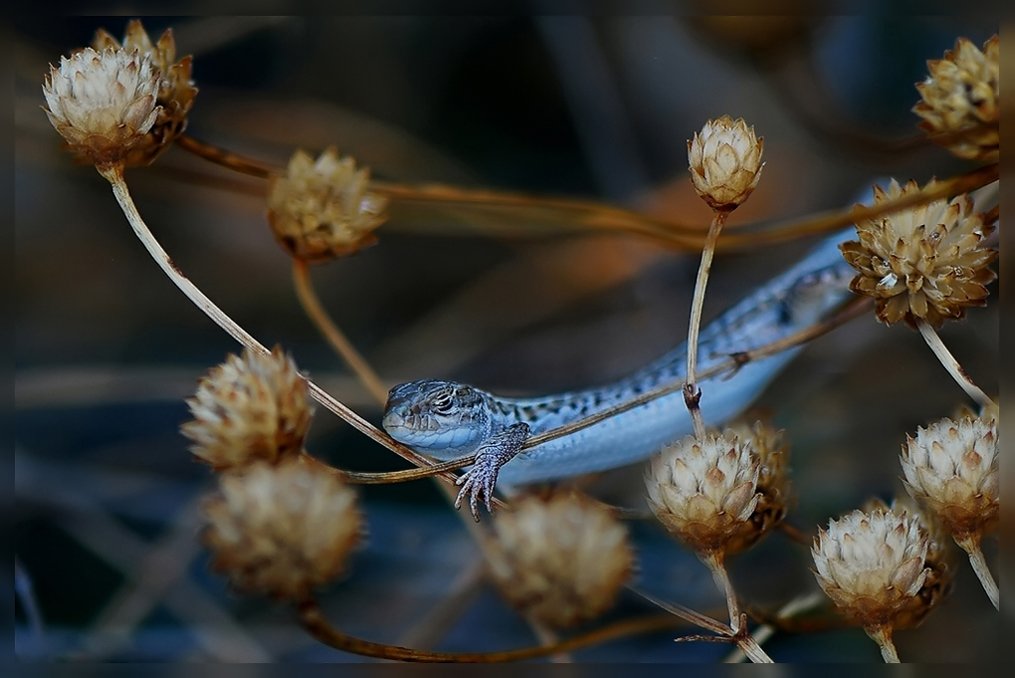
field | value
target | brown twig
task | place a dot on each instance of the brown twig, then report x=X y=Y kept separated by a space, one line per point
x=329 y=329
x=312 y=619
x=592 y=214
x=692 y=395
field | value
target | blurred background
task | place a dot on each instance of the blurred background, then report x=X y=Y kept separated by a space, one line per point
x=107 y=563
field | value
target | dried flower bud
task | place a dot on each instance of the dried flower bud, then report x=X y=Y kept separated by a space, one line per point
x=725 y=162
x=952 y=468
x=561 y=557
x=249 y=408
x=703 y=491
x=282 y=530
x=772 y=452
x=872 y=564
x=176 y=90
x=961 y=103
x=102 y=103
x=938 y=565
x=928 y=263
x=322 y=209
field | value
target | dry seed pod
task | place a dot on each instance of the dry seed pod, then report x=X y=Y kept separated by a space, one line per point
x=928 y=263
x=249 y=408
x=872 y=564
x=725 y=162
x=562 y=557
x=103 y=103
x=952 y=467
x=704 y=491
x=320 y=209
x=772 y=452
x=176 y=89
x=282 y=530
x=961 y=100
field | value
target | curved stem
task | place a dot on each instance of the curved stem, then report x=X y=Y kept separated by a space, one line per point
x=115 y=177
x=952 y=365
x=717 y=564
x=592 y=214
x=882 y=635
x=971 y=545
x=334 y=336
x=692 y=395
x=312 y=619
x=224 y=157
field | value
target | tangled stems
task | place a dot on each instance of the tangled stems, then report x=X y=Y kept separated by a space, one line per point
x=313 y=621
x=334 y=336
x=114 y=174
x=592 y=214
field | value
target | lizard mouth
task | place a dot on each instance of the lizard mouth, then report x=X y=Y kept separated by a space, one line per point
x=393 y=421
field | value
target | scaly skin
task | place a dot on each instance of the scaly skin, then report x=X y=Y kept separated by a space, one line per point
x=447 y=420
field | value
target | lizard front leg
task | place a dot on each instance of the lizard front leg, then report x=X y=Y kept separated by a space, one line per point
x=479 y=481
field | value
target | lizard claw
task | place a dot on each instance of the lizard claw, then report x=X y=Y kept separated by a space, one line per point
x=479 y=482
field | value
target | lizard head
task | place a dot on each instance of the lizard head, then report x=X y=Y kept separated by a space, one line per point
x=435 y=416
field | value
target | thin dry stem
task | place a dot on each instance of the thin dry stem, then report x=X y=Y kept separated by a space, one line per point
x=766 y=631
x=326 y=326
x=120 y=191
x=971 y=545
x=882 y=635
x=692 y=394
x=592 y=214
x=716 y=563
x=312 y=619
x=724 y=633
x=952 y=365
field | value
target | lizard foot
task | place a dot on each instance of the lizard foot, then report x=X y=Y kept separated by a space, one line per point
x=479 y=482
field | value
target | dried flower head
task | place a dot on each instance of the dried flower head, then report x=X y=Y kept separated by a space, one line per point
x=560 y=557
x=961 y=99
x=322 y=209
x=952 y=467
x=249 y=408
x=725 y=162
x=703 y=491
x=176 y=90
x=938 y=564
x=928 y=263
x=282 y=530
x=872 y=564
x=772 y=451
x=102 y=103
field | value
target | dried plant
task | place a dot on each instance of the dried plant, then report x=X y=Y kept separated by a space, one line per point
x=284 y=523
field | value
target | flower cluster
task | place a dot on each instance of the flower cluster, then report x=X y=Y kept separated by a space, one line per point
x=560 y=557
x=320 y=209
x=961 y=100
x=928 y=263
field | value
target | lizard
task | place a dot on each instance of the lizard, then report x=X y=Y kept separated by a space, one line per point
x=447 y=419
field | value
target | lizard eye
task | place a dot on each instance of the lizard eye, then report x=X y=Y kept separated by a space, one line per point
x=442 y=404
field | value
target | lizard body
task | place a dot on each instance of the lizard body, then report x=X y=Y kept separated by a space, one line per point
x=447 y=420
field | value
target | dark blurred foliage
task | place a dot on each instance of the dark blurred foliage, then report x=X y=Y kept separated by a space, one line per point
x=107 y=348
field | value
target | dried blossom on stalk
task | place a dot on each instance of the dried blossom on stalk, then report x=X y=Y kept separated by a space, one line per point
x=929 y=263
x=103 y=103
x=176 y=91
x=321 y=209
x=561 y=557
x=961 y=100
x=282 y=530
